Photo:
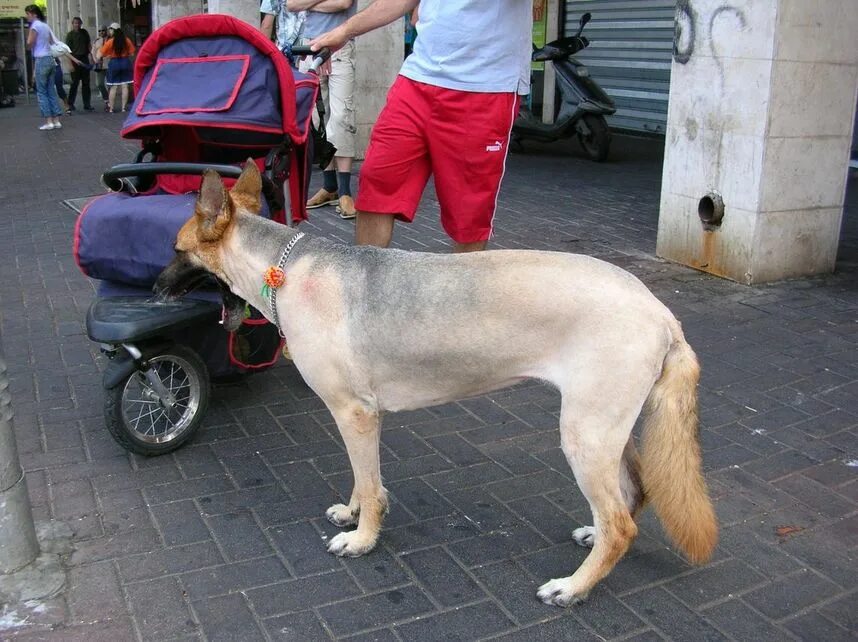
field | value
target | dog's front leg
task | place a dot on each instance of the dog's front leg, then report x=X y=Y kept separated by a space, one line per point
x=360 y=429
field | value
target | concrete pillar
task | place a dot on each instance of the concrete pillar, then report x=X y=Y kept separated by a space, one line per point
x=25 y=574
x=762 y=100
x=378 y=57
x=241 y=9
x=165 y=10
x=85 y=10
x=106 y=12
x=92 y=12
x=18 y=543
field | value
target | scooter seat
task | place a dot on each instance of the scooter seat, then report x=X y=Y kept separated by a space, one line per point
x=560 y=49
x=126 y=319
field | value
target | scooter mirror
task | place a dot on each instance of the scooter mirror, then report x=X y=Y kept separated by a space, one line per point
x=583 y=21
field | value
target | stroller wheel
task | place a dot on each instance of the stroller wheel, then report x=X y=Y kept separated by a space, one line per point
x=155 y=412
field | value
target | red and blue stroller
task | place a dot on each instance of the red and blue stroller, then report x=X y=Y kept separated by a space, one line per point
x=211 y=91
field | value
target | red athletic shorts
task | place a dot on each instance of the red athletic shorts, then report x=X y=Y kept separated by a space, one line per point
x=459 y=136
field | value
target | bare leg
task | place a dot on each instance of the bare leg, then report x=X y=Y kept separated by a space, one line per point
x=476 y=246
x=374 y=229
x=360 y=431
x=124 y=97
x=342 y=164
x=111 y=97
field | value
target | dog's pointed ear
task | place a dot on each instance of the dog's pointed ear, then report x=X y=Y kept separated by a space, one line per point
x=213 y=209
x=247 y=191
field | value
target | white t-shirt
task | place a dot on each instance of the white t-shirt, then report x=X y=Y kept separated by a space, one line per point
x=42 y=47
x=473 y=45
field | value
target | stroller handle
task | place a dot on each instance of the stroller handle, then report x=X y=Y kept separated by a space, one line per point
x=112 y=179
x=319 y=57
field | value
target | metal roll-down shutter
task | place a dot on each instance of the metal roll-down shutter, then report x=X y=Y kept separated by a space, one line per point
x=629 y=56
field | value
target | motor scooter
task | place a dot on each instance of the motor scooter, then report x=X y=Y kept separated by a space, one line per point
x=583 y=104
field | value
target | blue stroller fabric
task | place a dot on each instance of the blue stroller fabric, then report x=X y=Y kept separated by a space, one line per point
x=129 y=239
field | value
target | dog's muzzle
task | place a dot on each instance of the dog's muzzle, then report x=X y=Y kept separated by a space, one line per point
x=182 y=276
x=179 y=277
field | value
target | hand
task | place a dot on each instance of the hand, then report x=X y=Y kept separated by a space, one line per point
x=333 y=40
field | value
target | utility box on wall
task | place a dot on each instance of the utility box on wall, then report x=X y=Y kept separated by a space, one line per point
x=762 y=100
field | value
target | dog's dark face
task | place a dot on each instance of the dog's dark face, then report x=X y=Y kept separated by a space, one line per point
x=180 y=276
x=199 y=244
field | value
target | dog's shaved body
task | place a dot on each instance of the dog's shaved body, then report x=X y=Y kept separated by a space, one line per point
x=374 y=330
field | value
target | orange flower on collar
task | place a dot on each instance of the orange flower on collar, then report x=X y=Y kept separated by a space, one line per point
x=274 y=277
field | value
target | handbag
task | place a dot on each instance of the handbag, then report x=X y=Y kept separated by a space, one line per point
x=323 y=149
x=58 y=47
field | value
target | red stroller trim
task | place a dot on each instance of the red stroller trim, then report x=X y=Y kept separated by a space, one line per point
x=215 y=25
x=163 y=65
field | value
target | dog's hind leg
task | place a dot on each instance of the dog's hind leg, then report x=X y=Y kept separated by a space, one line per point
x=631 y=488
x=360 y=429
x=594 y=435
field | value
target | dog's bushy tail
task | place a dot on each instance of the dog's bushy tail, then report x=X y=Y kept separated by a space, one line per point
x=671 y=464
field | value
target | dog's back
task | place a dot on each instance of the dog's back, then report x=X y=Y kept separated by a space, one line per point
x=429 y=328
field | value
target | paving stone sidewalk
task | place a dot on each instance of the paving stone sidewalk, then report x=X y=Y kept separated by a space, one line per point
x=225 y=539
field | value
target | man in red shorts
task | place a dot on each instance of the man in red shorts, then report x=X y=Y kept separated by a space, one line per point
x=449 y=114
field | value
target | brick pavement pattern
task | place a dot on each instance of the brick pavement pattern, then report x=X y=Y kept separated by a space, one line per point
x=225 y=539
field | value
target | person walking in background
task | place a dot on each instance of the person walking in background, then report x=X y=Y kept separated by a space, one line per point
x=449 y=114
x=119 y=72
x=337 y=84
x=80 y=44
x=39 y=41
x=59 y=83
x=64 y=64
x=100 y=67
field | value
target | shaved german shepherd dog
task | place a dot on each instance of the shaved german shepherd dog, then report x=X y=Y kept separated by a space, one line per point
x=374 y=330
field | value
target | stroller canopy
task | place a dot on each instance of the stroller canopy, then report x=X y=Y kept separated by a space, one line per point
x=221 y=77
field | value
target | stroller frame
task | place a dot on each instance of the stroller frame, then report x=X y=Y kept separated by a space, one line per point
x=157 y=381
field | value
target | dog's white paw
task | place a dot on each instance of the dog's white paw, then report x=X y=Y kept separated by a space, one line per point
x=585 y=536
x=350 y=544
x=559 y=593
x=341 y=515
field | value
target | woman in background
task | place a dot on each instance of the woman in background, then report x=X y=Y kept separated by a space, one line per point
x=119 y=72
x=44 y=68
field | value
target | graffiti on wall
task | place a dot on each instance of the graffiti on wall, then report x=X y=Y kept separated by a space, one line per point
x=684 y=36
x=686 y=30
